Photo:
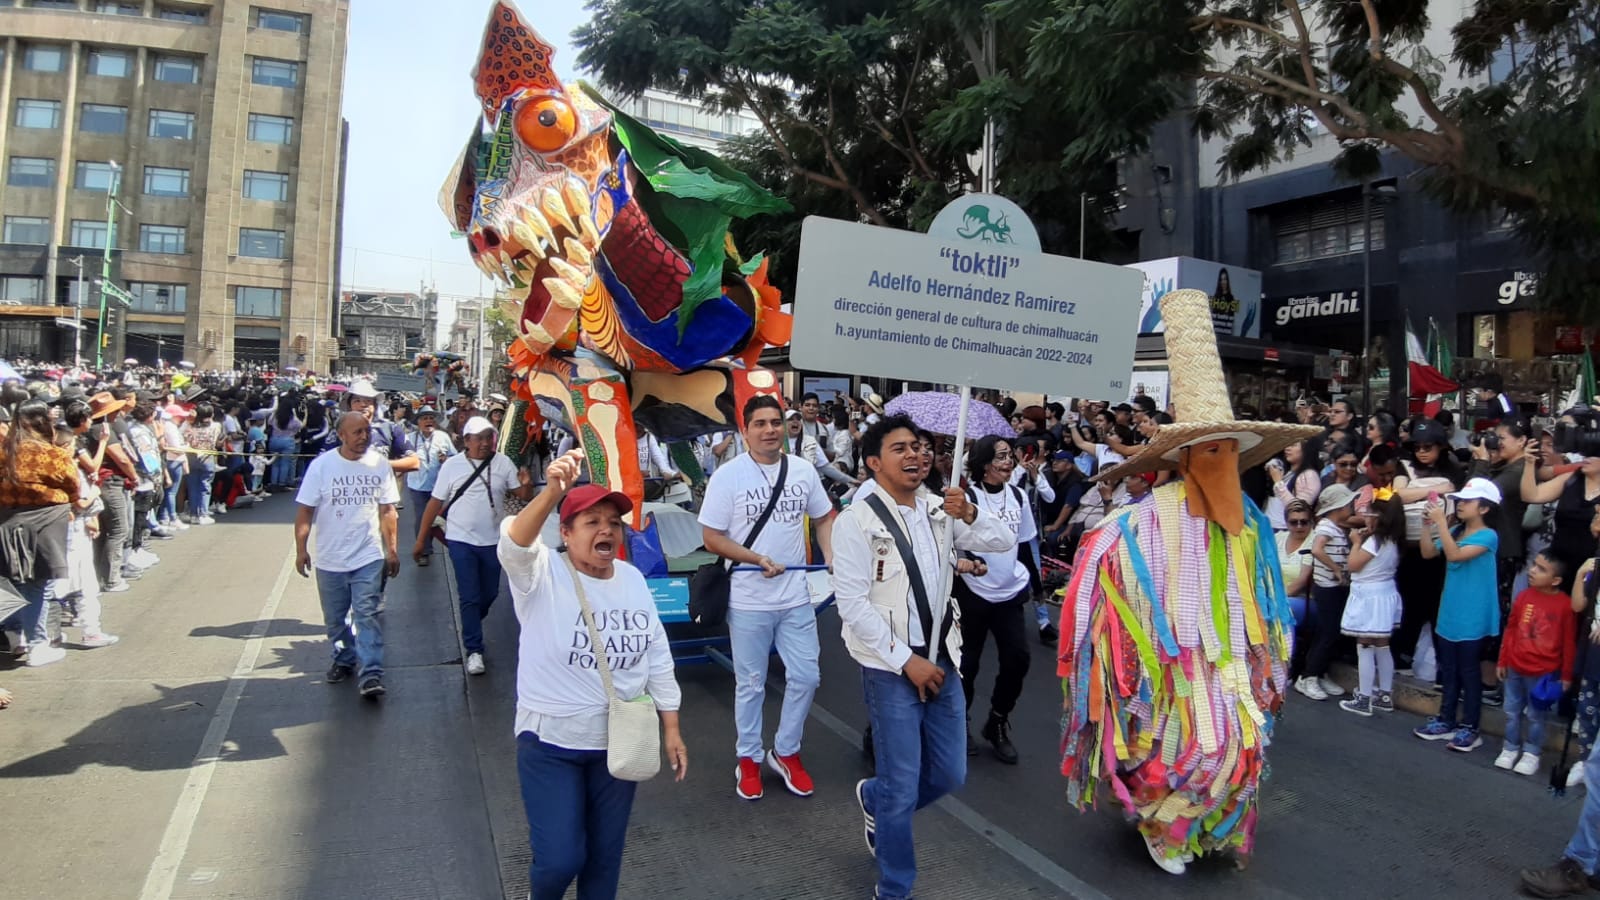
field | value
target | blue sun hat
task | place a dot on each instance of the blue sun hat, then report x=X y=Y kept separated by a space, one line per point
x=1546 y=692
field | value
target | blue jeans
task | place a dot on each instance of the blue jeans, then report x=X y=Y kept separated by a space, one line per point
x=169 y=500
x=34 y=618
x=751 y=635
x=1459 y=675
x=577 y=819
x=201 y=471
x=1584 y=848
x=419 y=499
x=282 y=470
x=477 y=586
x=921 y=751
x=356 y=594
x=1518 y=710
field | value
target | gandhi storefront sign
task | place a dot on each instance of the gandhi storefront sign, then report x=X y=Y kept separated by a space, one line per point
x=1499 y=289
x=1295 y=309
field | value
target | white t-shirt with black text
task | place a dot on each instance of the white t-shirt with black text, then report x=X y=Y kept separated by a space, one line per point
x=1006 y=576
x=346 y=493
x=559 y=694
x=475 y=517
x=735 y=498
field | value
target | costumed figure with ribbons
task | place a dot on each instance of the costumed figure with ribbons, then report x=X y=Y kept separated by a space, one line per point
x=611 y=244
x=1175 y=631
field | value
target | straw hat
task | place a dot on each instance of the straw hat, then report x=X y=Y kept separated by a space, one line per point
x=1200 y=398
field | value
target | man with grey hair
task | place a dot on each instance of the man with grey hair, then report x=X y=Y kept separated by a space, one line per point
x=350 y=494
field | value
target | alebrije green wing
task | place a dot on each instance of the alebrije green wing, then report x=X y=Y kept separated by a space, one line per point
x=700 y=195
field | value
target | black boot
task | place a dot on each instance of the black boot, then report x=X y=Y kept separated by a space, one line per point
x=997 y=731
x=972 y=745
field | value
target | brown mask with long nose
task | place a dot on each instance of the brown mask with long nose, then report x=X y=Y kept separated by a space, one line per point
x=1210 y=471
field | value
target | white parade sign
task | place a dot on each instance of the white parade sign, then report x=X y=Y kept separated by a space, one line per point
x=878 y=301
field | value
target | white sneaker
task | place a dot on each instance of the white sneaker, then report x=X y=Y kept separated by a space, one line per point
x=1310 y=687
x=1575 y=776
x=1331 y=687
x=93 y=641
x=42 y=654
x=180 y=524
x=143 y=559
x=1527 y=765
x=1507 y=759
x=205 y=520
x=475 y=664
x=1171 y=865
x=19 y=647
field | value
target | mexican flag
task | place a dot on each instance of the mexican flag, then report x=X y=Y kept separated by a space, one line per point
x=1427 y=367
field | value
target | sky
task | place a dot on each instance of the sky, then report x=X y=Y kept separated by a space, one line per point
x=408 y=98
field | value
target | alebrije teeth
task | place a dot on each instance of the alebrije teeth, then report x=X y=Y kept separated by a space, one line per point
x=563 y=294
x=578 y=253
x=534 y=220
x=568 y=271
x=551 y=204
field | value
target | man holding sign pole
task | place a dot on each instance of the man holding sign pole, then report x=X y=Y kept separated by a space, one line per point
x=889 y=572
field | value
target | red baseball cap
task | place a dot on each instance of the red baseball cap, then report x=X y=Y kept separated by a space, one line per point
x=584 y=496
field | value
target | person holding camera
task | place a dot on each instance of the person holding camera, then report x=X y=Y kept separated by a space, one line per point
x=1574 y=489
x=1498 y=456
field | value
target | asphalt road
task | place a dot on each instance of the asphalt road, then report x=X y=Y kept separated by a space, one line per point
x=204 y=757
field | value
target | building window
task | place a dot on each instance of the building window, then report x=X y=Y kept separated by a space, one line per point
x=92 y=176
x=88 y=233
x=274 y=72
x=38 y=114
x=97 y=118
x=114 y=8
x=31 y=171
x=44 y=58
x=266 y=186
x=271 y=129
x=162 y=238
x=1320 y=232
x=110 y=63
x=177 y=69
x=27 y=230
x=273 y=20
x=264 y=303
x=163 y=182
x=261 y=243
x=21 y=291
x=166 y=123
x=174 y=14
x=54 y=4
x=154 y=297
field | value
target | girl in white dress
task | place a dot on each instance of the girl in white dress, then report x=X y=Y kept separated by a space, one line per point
x=1373 y=610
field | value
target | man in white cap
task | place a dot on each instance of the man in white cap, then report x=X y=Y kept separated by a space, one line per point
x=470 y=493
x=388 y=438
x=433 y=448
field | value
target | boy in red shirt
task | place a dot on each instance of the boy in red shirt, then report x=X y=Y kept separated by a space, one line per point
x=1540 y=639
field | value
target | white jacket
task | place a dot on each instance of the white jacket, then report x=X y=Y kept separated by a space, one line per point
x=872 y=587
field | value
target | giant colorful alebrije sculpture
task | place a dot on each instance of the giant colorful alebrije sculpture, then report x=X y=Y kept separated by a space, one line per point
x=1175 y=631
x=631 y=301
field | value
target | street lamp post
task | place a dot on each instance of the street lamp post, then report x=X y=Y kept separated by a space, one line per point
x=1382 y=193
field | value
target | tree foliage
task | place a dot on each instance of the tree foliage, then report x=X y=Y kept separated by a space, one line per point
x=1508 y=125
x=869 y=108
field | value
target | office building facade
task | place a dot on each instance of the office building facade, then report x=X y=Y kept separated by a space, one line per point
x=218 y=124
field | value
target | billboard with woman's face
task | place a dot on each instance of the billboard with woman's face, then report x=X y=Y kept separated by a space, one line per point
x=1235 y=293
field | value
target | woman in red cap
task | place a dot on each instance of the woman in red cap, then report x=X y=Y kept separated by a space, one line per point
x=577 y=811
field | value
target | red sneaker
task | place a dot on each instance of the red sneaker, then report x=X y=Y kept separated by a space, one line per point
x=749 y=774
x=795 y=776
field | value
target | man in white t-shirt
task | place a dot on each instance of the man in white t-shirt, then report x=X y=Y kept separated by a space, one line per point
x=350 y=494
x=771 y=606
x=471 y=494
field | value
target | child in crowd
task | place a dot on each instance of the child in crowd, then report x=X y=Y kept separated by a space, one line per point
x=1540 y=640
x=1469 y=608
x=1330 y=585
x=1373 y=610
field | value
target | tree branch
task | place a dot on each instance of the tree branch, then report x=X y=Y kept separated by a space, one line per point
x=1413 y=80
x=1202 y=23
x=1303 y=47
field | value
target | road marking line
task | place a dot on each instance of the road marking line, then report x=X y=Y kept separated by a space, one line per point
x=1005 y=841
x=158 y=883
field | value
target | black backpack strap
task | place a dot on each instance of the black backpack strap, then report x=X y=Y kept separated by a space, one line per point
x=462 y=489
x=908 y=557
